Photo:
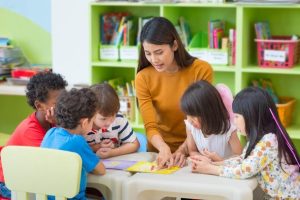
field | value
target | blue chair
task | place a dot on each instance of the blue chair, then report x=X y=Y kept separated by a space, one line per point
x=143 y=142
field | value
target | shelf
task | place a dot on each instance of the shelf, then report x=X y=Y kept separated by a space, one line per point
x=294 y=131
x=255 y=69
x=283 y=20
x=6 y=89
x=134 y=125
x=145 y=4
x=126 y=64
x=220 y=68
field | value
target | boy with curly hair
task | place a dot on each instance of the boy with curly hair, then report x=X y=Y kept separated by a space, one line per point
x=41 y=92
x=75 y=112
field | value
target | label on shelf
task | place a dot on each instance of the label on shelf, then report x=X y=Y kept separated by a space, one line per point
x=212 y=56
x=109 y=52
x=274 y=55
x=129 y=53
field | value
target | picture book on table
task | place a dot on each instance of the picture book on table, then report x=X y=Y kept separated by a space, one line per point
x=137 y=166
x=118 y=164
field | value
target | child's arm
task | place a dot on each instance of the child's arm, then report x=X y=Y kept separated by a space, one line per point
x=204 y=165
x=99 y=169
x=191 y=145
x=235 y=144
x=95 y=147
x=125 y=148
x=264 y=153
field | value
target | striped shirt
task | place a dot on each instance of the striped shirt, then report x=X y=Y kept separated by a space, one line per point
x=119 y=132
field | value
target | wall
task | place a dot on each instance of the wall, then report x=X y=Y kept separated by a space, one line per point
x=27 y=23
x=70 y=39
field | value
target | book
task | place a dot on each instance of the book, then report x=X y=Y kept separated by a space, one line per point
x=151 y=167
x=118 y=164
x=212 y=25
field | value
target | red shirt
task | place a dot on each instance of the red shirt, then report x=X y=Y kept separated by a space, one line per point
x=28 y=133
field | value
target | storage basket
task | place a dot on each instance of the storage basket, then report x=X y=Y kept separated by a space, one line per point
x=278 y=52
x=285 y=109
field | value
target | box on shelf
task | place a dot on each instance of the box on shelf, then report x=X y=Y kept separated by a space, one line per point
x=129 y=52
x=285 y=109
x=127 y=107
x=212 y=56
x=278 y=52
x=109 y=52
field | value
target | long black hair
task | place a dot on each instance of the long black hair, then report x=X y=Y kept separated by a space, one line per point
x=202 y=100
x=254 y=105
x=159 y=31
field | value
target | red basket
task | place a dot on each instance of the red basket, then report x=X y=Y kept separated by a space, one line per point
x=278 y=52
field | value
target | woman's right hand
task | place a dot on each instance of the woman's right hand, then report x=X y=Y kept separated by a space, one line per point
x=164 y=158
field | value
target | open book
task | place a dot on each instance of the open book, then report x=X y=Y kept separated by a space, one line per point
x=137 y=166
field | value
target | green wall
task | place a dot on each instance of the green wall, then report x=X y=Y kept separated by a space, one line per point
x=35 y=43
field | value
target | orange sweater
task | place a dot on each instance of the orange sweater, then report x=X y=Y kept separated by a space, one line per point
x=159 y=96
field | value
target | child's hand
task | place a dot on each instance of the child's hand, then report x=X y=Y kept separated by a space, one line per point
x=107 y=143
x=104 y=152
x=212 y=155
x=199 y=166
x=50 y=115
x=199 y=157
x=204 y=166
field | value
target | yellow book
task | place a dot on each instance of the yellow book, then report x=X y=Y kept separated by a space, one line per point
x=150 y=167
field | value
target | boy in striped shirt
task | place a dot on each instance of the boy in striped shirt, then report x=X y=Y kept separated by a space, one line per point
x=112 y=134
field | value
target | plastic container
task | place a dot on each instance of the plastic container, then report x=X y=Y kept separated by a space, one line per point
x=278 y=52
x=285 y=110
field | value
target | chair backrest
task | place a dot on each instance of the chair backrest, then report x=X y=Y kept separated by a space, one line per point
x=41 y=171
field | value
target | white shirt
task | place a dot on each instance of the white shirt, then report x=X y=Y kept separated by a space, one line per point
x=214 y=143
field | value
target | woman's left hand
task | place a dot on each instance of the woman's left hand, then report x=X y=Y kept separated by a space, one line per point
x=179 y=158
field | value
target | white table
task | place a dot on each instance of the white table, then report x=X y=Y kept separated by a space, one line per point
x=183 y=183
x=110 y=185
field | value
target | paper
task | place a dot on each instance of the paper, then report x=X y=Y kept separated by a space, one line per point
x=118 y=164
x=150 y=167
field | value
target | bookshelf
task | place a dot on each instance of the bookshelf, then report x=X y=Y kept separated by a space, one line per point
x=282 y=19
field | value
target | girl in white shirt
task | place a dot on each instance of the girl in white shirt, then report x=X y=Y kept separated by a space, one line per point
x=209 y=131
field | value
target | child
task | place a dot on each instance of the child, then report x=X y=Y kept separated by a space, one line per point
x=75 y=112
x=41 y=92
x=208 y=127
x=111 y=134
x=269 y=153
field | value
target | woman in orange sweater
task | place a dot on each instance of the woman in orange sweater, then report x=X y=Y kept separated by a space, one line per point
x=165 y=70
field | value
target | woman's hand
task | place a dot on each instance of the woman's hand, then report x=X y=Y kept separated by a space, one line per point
x=179 y=158
x=164 y=158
